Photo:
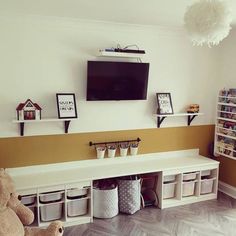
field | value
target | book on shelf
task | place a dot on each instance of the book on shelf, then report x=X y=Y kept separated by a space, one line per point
x=228 y=92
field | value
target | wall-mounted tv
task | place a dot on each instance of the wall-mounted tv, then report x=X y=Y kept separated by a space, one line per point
x=108 y=80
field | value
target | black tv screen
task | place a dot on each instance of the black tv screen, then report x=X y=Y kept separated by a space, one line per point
x=117 y=80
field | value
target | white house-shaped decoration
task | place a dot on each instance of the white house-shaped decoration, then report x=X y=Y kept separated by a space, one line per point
x=28 y=111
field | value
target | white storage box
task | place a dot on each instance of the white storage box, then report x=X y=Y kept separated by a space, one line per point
x=189 y=176
x=105 y=203
x=188 y=188
x=51 y=212
x=207 y=186
x=205 y=172
x=169 y=190
x=77 y=207
x=169 y=178
x=28 y=200
x=76 y=192
x=50 y=197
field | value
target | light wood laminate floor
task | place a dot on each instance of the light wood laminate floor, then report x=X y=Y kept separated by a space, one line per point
x=209 y=218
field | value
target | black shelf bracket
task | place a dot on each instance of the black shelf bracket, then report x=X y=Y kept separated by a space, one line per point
x=67 y=124
x=190 y=119
x=121 y=141
x=22 y=126
x=160 y=120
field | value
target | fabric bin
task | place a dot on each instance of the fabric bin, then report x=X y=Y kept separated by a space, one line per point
x=207 y=186
x=77 y=207
x=188 y=188
x=189 y=176
x=129 y=196
x=169 y=190
x=169 y=178
x=28 y=200
x=105 y=203
x=51 y=212
x=50 y=197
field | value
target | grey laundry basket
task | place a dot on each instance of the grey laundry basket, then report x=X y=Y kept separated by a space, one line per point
x=129 y=196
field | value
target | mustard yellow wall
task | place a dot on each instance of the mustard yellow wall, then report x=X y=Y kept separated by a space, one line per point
x=23 y=151
x=227 y=170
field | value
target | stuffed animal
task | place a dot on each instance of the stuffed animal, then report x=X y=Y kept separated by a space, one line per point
x=10 y=224
x=25 y=215
x=54 y=229
x=14 y=215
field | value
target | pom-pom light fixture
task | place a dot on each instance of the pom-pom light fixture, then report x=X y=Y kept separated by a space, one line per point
x=207 y=22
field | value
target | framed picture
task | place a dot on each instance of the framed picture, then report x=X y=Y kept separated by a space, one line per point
x=164 y=104
x=66 y=105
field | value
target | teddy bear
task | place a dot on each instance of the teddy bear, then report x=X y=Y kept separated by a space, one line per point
x=25 y=215
x=10 y=224
x=55 y=228
x=14 y=215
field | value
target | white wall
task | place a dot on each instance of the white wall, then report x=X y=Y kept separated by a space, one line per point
x=41 y=56
x=227 y=61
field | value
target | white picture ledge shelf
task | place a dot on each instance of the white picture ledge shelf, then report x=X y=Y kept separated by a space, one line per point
x=120 y=54
x=22 y=123
x=190 y=116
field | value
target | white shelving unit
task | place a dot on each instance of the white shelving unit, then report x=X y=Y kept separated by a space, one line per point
x=57 y=208
x=225 y=129
x=190 y=117
x=199 y=187
x=62 y=177
x=22 y=123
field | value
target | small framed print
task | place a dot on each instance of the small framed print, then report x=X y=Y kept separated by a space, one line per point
x=164 y=104
x=66 y=105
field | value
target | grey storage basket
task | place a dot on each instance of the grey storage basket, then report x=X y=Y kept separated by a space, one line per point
x=105 y=203
x=129 y=195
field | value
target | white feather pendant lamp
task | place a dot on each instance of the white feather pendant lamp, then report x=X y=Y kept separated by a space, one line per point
x=207 y=22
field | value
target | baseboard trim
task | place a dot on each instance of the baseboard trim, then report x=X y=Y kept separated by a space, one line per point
x=227 y=189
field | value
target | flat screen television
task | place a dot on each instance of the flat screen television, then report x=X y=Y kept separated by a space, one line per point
x=108 y=80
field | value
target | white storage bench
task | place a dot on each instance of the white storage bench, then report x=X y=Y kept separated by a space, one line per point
x=174 y=166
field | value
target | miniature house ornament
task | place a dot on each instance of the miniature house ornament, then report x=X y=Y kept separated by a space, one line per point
x=28 y=111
